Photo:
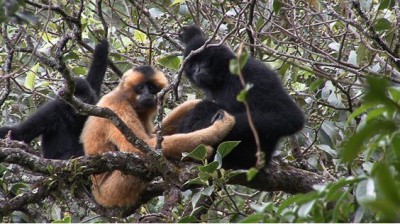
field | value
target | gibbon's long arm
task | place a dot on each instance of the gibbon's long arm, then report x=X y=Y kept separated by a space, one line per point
x=173 y=120
x=98 y=67
x=34 y=125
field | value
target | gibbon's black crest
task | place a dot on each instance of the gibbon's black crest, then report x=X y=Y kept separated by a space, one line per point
x=274 y=113
x=56 y=121
x=134 y=101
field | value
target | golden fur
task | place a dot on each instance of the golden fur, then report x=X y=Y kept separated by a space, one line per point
x=100 y=135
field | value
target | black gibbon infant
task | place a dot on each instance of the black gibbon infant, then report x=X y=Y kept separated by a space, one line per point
x=274 y=113
x=56 y=121
x=134 y=101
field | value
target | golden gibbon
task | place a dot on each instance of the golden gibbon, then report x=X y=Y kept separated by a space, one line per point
x=134 y=101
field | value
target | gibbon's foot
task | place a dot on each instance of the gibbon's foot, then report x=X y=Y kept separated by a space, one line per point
x=210 y=151
x=222 y=120
x=217 y=116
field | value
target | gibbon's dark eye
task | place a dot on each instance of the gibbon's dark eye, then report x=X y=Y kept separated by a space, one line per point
x=138 y=88
x=153 y=89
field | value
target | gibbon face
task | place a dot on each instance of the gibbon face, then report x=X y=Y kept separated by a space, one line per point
x=142 y=84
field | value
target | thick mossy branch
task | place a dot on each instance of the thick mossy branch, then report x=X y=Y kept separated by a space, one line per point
x=274 y=178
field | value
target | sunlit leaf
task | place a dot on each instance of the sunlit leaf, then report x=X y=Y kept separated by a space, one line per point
x=177 y=2
x=242 y=96
x=139 y=36
x=234 y=67
x=31 y=77
x=170 y=61
x=251 y=173
x=243 y=59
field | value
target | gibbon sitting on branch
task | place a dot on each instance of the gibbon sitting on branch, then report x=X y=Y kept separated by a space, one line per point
x=134 y=101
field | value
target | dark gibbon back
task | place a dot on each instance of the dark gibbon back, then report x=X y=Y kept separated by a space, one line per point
x=58 y=124
x=134 y=101
x=274 y=113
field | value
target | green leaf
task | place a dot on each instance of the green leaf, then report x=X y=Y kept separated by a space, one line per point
x=251 y=173
x=315 y=85
x=199 y=153
x=31 y=76
x=209 y=168
x=353 y=58
x=177 y=2
x=243 y=59
x=226 y=147
x=254 y=218
x=170 y=61
x=196 y=181
x=363 y=54
x=396 y=146
x=204 y=176
x=195 y=198
x=139 y=36
x=16 y=188
x=376 y=113
x=362 y=109
x=66 y=219
x=305 y=209
x=394 y=94
x=297 y=199
x=277 y=5
x=382 y=24
x=156 y=13
x=71 y=55
x=188 y=219
x=386 y=4
x=386 y=183
x=208 y=190
x=327 y=149
x=233 y=66
x=79 y=71
x=242 y=96
x=355 y=144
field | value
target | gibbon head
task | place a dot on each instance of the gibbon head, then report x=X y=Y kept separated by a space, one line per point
x=208 y=68
x=142 y=84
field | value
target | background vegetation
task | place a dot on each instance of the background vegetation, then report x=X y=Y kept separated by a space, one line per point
x=339 y=60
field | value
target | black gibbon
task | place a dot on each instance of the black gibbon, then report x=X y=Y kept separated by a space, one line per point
x=134 y=101
x=274 y=113
x=58 y=124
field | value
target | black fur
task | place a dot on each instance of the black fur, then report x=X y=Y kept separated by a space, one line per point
x=274 y=113
x=56 y=121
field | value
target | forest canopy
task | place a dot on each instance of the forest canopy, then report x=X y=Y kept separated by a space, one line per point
x=338 y=60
